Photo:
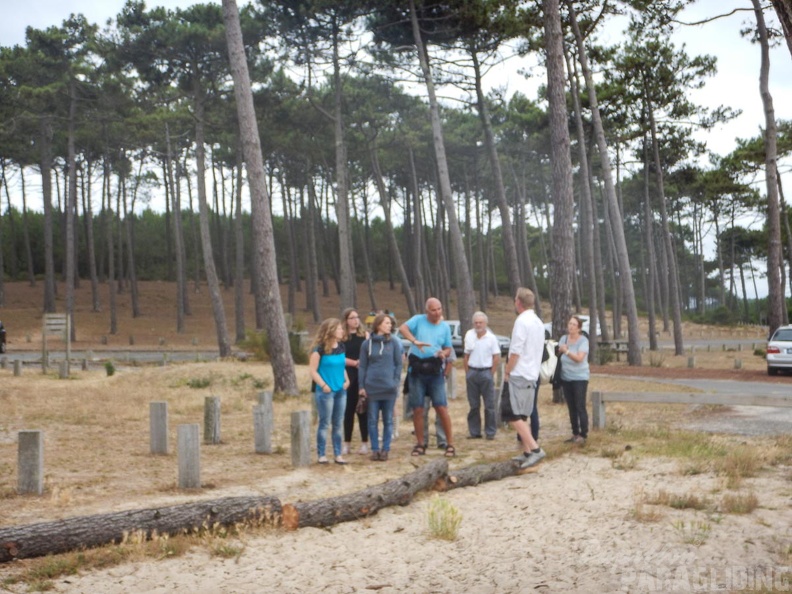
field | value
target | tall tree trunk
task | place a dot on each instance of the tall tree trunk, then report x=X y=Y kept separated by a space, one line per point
x=212 y=282
x=239 y=254
x=652 y=256
x=345 y=251
x=563 y=253
x=312 y=278
x=280 y=352
x=673 y=273
x=71 y=200
x=89 y=238
x=465 y=296
x=393 y=246
x=26 y=231
x=45 y=139
x=509 y=245
x=622 y=255
x=129 y=221
x=586 y=210
x=178 y=234
x=775 y=295
x=107 y=214
x=421 y=292
x=783 y=10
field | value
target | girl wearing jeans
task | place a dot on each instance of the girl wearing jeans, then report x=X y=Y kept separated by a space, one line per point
x=573 y=350
x=380 y=377
x=327 y=364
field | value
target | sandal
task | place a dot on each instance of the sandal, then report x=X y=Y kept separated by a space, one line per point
x=418 y=450
x=450 y=451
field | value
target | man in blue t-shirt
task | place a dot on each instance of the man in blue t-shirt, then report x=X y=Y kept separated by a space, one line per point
x=431 y=346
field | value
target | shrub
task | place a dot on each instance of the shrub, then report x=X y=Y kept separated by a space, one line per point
x=444 y=519
x=109 y=368
x=258 y=344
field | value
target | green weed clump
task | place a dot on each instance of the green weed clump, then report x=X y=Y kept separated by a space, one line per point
x=109 y=368
x=444 y=519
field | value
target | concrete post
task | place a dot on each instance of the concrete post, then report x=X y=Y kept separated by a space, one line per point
x=263 y=423
x=212 y=420
x=63 y=370
x=597 y=410
x=30 y=461
x=158 y=427
x=17 y=368
x=301 y=438
x=189 y=456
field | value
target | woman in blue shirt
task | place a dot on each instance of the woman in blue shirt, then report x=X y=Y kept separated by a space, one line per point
x=327 y=364
x=573 y=350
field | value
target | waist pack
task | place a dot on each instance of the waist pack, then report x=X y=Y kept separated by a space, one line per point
x=427 y=366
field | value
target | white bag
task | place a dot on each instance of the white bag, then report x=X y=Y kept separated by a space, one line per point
x=549 y=362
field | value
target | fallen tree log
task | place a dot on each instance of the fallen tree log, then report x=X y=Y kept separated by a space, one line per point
x=45 y=538
x=480 y=473
x=344 y=508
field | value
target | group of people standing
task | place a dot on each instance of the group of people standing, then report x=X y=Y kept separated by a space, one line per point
x=357 y=374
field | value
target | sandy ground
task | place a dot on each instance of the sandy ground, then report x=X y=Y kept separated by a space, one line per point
x=568 y=527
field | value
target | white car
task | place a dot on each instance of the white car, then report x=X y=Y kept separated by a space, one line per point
x=586 y=321
x=779 y=350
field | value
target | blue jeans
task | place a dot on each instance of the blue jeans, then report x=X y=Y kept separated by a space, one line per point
x=330 y=407
x=374 y=408
x=427 y=386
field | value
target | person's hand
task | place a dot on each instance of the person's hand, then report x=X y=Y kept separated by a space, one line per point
x=346 y=385
x=326 y=389
x=421 y=345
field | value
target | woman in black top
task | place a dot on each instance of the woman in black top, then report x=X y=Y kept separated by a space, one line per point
x=354 y=335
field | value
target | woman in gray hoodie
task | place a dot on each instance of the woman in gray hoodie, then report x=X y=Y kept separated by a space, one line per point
x=379 y=378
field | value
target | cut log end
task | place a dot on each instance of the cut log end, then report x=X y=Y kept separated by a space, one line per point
x=290 y=519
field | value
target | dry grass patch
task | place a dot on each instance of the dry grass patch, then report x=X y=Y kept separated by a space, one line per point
x=739 y=504
x=677 y=500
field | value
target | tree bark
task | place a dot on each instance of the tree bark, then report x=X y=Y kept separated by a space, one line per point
x=274 y=320
x=345 y=508
x=218 y=311
x=45 y=155
x=563 y=253
x=465 y=295
x=51 y=538
x=783 y=9
x=622 y=255
x=775 y=290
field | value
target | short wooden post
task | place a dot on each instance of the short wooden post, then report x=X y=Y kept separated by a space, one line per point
x=4 y=362
x=164 y=361
x=738 y=363
x=263 y=423
x=189 y=456
x=212 y=420
x=131 y=340
x=85 y=364
x=691 y=362
x=158 y=427
x=709 y=348
x=63 y=370
x=301 y=438
x=597 y=410
x=450 y=381
x=17 y=367
x=30 y=462
x=499 y=376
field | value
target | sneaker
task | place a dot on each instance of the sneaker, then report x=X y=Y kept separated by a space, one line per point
x=383 y=456
x=579 y=439
x=363 y=450
x=322 y=460
x=521 y=457
x=345 y=449
x=572 y=439
x=533 y=458
x=375 y=456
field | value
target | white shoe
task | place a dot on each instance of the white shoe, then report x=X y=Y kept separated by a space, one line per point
x=345 y=449
x=534 y=458
x=363 y=450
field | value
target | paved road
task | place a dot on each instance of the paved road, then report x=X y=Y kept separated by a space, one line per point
x=740 y=420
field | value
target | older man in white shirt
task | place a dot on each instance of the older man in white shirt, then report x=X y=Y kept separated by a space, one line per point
x=482 y=357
